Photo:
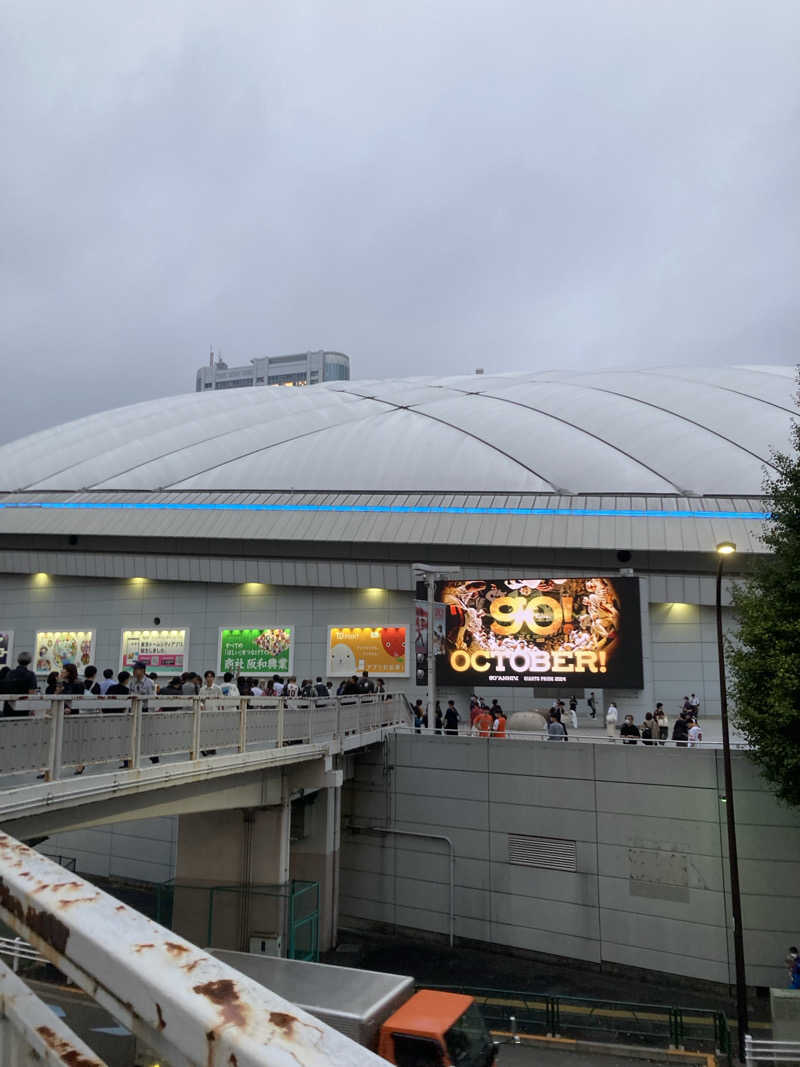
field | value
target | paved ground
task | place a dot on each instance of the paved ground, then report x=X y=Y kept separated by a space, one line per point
x=439 y=965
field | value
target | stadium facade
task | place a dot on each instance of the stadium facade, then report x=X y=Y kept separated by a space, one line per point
x=306 y=511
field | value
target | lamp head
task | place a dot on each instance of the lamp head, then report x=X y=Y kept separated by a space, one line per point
x=726 y=548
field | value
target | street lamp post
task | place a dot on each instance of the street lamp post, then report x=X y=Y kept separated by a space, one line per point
x=727 y=548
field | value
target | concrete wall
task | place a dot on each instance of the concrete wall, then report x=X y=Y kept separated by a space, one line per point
x=650 y=884
x=144 y=849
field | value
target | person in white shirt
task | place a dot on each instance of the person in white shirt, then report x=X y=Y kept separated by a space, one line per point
x=277 y=685
x=612 y=716
x=229 y=687
x=209 y=693
x=695 y=734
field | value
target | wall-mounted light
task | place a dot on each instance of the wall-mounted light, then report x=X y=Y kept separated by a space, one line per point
x=41 y=578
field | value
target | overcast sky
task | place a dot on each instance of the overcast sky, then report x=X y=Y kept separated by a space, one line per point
x=428 y=186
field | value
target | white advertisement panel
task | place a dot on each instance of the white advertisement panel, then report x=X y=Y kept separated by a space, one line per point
x=6 y=648
x=164 y=651
x=54 y=648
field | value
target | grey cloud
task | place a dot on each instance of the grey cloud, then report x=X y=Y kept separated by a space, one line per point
x=429 y=188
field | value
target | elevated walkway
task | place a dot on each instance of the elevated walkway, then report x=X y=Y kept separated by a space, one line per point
x=70 y=762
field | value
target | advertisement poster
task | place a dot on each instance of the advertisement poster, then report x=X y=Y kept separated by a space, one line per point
x=257 y=651
x=381 y=650
x=421 y=637
x=6 y=648
x=54 y=648
x=550 y=632
x=162 y=651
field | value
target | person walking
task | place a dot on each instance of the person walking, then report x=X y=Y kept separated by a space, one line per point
x=437 y=718
x=592 y=705
x=793 y=967
x=573 y=712
x=451 y=719
x=629 y=731
x=420 y=718
x=612 y=718
x=143 y=687
x=649 y=730
x=662 y=722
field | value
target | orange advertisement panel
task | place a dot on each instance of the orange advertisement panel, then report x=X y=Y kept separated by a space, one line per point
x=381 y=650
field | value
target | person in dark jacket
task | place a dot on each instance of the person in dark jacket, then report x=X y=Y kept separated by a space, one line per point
x=629 y=731
x=680 y=731
x=451 y=719
x=21 y=681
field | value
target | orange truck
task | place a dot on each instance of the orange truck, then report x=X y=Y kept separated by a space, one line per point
x=428 y=1028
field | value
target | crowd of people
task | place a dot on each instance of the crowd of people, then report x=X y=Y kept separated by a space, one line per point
x=489 y=720
x=68 y=682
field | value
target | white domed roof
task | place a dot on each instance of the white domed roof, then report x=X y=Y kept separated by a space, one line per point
x=660 y=430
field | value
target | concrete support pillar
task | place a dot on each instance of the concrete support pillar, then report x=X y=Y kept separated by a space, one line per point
x=315 y=856
x=227 y=863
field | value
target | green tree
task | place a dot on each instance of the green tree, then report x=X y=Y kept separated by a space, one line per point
x=764 y=658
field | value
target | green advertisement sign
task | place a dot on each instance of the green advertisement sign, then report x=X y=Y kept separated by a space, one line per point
x=256 y=651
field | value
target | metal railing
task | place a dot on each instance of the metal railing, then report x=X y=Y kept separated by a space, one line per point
x=595 y=737
x=16 y=949
x=174 y=997
x=54 y=736
x=762 y=1051
x=517 y=1013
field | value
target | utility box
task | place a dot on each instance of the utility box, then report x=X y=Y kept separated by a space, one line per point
x=785 y=1007
x=266 y=944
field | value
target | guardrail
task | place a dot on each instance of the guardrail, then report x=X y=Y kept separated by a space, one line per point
x=17 y=949
x=174 y=997
x=518 y=1013
x=66 y=733
x=595 y=737
x=758 y=1051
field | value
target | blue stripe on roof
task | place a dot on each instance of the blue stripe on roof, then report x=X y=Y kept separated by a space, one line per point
x=382 y=509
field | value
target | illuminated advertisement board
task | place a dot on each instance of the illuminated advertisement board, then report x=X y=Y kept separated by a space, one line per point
x=421 y=637
x=6 y=647
x=256 y=650
x=54 y=648
x=572 y=632
x=161 y=651
x=381 y=650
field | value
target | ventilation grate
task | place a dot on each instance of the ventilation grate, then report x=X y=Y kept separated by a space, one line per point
x=552 y=852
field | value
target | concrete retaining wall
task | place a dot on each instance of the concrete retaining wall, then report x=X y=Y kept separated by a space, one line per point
x=649 y=886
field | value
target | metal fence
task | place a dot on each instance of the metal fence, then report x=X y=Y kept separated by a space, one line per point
x=595 y=737
x=518 y=1013
x=762 y=1051
x=64 y=735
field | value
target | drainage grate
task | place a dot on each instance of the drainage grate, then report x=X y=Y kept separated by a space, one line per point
x=552 y=852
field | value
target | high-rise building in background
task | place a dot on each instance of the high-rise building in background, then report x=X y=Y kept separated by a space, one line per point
x=305 y=368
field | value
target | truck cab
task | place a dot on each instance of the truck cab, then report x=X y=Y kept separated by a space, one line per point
x=436 y=1029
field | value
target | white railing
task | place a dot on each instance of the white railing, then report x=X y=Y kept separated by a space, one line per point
x=57 y=736
x=17 y=949
x=763 y=1051
x=31 y=1033
x=595 y=737
x=174 y=997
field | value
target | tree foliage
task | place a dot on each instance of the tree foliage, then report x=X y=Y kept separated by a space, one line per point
x=764 y=658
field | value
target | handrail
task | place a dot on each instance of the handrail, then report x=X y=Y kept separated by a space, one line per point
x=761 y=1050
x=177 y=999
x=530 y=1012
x=78 y=731
x=596 y=737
